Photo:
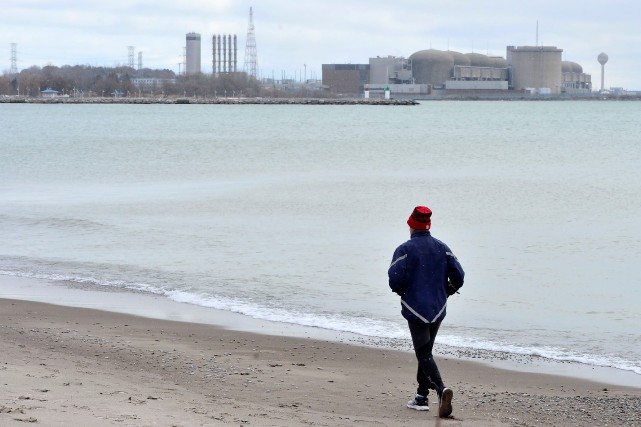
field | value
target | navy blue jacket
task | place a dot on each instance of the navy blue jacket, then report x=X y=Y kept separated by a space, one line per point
x=419 y=272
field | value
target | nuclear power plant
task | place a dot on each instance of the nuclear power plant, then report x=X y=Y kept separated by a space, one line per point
x=534 y=70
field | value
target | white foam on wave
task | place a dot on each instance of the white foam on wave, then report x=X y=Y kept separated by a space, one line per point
x=334 y=322
x=117 y=284
x=546 y=352
x=363 y=326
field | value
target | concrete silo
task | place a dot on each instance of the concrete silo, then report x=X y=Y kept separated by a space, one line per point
x=536 y=68
x=432 y=67
x=192 y=65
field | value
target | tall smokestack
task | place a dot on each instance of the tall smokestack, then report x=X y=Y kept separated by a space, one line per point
x=224 y=54
x=213 y=54
x=219 y=54
x=229 y=58
x=235 y=52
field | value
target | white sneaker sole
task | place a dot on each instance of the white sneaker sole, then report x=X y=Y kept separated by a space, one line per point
x=417 y=407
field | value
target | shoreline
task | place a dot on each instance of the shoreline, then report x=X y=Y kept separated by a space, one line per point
x=399 y=101
x=152 y=306
x=213 y=101
x=69 y=365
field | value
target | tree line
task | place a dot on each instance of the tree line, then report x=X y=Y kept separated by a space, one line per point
x=89 y=81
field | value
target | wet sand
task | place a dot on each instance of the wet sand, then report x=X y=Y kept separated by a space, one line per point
x=66 y=366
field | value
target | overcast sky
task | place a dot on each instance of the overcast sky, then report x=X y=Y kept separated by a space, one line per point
x=294 y=37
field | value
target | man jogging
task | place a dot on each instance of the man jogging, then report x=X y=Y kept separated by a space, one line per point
x=425 y=272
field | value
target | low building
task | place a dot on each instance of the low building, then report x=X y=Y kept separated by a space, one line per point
x=469 y=77
x=345 y=79
x=146 y=83
x=49 y=93
x=397 y=90
x=390 y=70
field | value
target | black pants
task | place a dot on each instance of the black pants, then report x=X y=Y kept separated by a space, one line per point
x=427 y=375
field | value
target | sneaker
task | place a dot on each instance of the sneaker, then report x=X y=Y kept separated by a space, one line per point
x=445 y=403
x=419 y=403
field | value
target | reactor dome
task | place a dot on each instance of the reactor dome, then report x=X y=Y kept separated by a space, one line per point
x=480 y=60
x=498 y=62
x=459 y=58
x=433 y=67
x=571 y=67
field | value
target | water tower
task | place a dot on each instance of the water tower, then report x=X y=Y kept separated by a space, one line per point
x=602 y=58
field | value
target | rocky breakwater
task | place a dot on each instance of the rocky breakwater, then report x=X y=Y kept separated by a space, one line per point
x=252 y=101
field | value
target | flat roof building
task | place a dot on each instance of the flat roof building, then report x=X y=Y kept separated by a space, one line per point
x=345 y=79
x=390 y=70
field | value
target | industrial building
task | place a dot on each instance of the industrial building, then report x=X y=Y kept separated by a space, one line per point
x=573 y=79
x=482 y=73
x=192 y=60
x=390 y=70
x=526 y=69
x=345 y=78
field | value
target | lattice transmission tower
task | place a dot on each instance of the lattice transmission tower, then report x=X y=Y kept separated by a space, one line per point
x=251 y=57
x=131 y=56
x=14 y=59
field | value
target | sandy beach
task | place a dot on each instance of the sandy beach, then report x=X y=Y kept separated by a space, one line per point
x=66 y=366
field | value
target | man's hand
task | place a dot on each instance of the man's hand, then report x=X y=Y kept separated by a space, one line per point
x=450 y=289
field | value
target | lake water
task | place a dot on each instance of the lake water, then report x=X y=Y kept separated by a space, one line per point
x=291 y=213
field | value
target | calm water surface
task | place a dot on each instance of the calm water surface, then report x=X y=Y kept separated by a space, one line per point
x=291 y=213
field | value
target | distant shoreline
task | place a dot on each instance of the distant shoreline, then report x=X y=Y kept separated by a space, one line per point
x=253 y=101
x=299 y=101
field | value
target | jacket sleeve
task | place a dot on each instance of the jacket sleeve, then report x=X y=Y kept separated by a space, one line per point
x=397 y=270
x=455 y=273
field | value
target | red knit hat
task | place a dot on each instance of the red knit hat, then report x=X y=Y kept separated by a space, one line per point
x=420 y=218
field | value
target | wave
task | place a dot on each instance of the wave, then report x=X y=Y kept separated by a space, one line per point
x=388 y=333
x=331 y=321
x=545 y=352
